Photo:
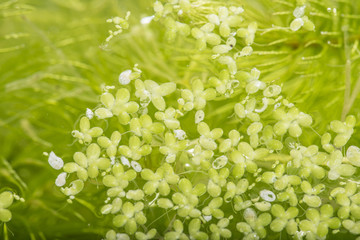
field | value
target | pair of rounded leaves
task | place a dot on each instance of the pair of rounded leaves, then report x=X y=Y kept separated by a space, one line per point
x=319 y=223
x=284 y=219
x=6 y=199
x=344 y=130
x=291 y=122
x=118 y=106
x=198 y=96
x=205 y=35
x=149 y=90
x=207 y=137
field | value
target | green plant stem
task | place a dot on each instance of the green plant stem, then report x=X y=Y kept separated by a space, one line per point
x=347 y=75
x=353 y=96
x=6 y=236
x=22 y=185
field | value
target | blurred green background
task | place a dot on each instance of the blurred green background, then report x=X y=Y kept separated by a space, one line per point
x=54 y=63
x=52 y=67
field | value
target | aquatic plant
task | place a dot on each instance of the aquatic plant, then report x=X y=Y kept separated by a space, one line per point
x=229 y=120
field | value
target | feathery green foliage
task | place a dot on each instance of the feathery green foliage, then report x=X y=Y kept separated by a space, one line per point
x=246 y=130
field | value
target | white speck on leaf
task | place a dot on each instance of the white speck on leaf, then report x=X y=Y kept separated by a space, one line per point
x=61 y=179
x=125 y=161
x=146 y=20
x=180 y=134
x=265 y=105
x=112 y=160
x=89 y=113
x=220 y=162
x=277 y=105
x=124 y=77
x=267 y=195
x=208 y=218
x=199 y=116
x=55 y=162
x=136 y=166
x=299 y=11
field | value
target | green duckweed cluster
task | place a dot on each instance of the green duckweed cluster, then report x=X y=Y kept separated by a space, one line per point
x=253 y=181
x=221 y=152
